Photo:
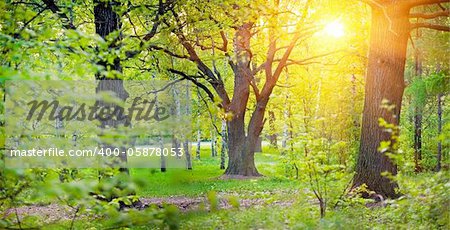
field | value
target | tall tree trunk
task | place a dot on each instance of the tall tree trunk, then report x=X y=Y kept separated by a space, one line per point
x=187 y=152
x=176 y=145
x=384 y=81
x=240 y=150
x=160 y=143
x=213 y=142
x=107 y=21
x=199 y=142
x=241 y=146
x=176 y=111
x=186 y=136
x=163 y=166
x=273 y=134
x=439 y=147
x=199 y=129
x=418 y=118
x=223 y=150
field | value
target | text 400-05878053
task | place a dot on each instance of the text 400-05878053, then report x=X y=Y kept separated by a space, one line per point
x=141 y=152
x=155 y=152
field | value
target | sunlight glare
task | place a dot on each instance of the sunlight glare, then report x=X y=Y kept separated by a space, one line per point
x=335 y=29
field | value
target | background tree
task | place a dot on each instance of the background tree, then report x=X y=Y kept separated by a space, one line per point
x=254 y=75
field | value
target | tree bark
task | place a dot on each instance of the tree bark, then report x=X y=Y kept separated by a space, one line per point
x=384 y=81
x=240 y=151
x=223 y=150
x=241 y=146
x=186 y=137
x=187 y=152
x=107 y=21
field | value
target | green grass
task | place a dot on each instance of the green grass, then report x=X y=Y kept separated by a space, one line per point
x=205 y=177
x=424 y=204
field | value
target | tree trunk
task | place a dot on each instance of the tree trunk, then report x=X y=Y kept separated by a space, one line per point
x=272 y=134
x=187 y=152
x=240 y=151
x=176 y=111
x=213 y=143
x=417 y=139
x=186 y=136
x=107 y=21
x=439 y=147
x=199 y=129
x=176 y=145
x=223 y=150
x=384 y=81
x=199 y=142
x=163 y=167
x=418 y=118
x=323 y=208
x=241 y=147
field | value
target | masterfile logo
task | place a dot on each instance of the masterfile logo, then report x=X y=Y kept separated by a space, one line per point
x=120 y=123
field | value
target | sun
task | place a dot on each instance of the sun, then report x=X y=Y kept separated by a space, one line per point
x=335 y=29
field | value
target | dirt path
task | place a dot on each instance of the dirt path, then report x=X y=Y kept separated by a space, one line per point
x=58 y=212
x=188 y=204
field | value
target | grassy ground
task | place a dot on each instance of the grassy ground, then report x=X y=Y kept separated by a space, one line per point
x=267 y=195
x=205 y=177
x=269 y=202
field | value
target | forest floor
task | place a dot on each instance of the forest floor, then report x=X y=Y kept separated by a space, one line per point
x=54 y=212
x=207 y=201
x=188 y=190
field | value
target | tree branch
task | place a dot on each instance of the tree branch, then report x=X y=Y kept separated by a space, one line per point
x=55 y=9
x=430 y=26
x=194 y=80
x=255 y=88
x=441 y=6
x=215 y=82
x=154 y=47
x=307 y=60
x=162 y=9
x=16 y=35
x=445 y=13
x=156 y=22
x=223 y=48
x=414 y=3
x=259 y=68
